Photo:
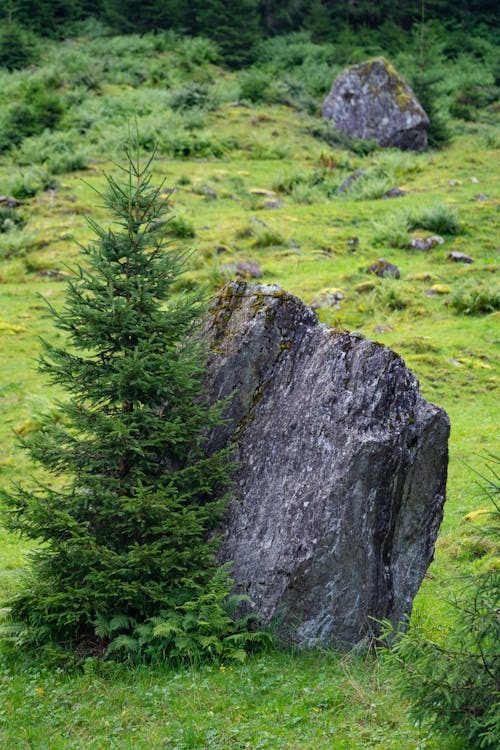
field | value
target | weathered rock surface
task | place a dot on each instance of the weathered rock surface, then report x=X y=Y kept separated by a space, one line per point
x=426 y=243
x=342 y=468
x=394 y=193
x=349 y=181
x=457 y=257
x=371 y=101
x=381 y=267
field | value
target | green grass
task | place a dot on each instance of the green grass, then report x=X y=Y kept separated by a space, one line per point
x=301 y=701
x=228 y=164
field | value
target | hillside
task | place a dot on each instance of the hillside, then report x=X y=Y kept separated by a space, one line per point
x=253 y=175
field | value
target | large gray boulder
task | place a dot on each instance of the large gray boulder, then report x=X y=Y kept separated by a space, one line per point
x=342 y=468
x=371 y=101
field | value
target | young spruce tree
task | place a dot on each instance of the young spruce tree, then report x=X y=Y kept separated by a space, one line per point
x=126 y=560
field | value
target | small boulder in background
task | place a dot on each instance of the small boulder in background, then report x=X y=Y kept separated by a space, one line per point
x=245 y=269
x=426 y=243
x=381 y=267
x=373 y=102
x=457 y=257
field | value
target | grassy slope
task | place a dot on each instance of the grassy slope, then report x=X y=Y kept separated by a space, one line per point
x=275 y=700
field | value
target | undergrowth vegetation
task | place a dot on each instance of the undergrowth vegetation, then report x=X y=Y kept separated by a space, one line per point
x=453 y=678
x=254 y=174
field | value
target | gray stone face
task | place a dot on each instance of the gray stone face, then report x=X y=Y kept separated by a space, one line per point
x=372 y=101
x=342 y=468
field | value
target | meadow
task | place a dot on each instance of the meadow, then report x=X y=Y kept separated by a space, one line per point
x=253 y=175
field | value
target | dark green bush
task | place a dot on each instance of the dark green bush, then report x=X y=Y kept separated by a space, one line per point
x=192 y=96
x=126 y=558
x=470 y=98
x=254 y=85
x=425 y=86
x=18 y=47
x=40 y=108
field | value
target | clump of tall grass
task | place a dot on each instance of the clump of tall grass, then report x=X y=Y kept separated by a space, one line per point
x=387 y=296
x=286 y=182
x=438 y=218
x=306 y=194
x=305 y=186
x=262 y=234
x=265 y=149
x=393 y=231
x=265 y=236
x=180 y=226
x=370 y=186
x=476 y=298
x=399 y=164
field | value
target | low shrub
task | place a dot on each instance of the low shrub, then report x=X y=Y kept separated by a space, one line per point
x=28 y=182
x=185 y=144
x=16 y=243
x=192 y=96
x=9 y=219
x=207 y=628
x=59 y=152
x=193 y=51
x=473 y=95
x=38 y=109
x=255 y=85
x=491 y=139
x=292 y=92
